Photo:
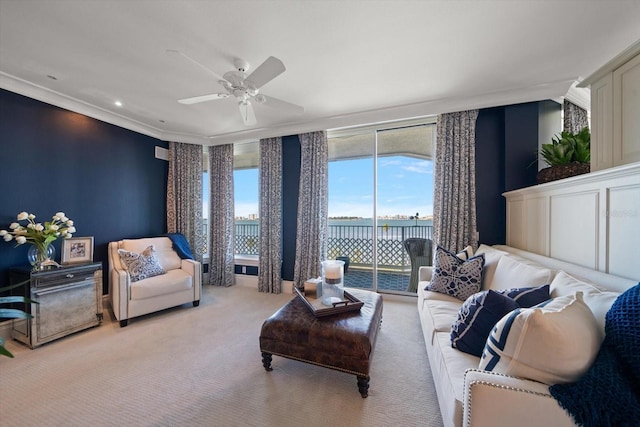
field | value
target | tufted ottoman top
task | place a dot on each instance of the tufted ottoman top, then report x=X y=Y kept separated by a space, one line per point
x=343 y=341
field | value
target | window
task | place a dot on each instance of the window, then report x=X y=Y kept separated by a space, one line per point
x=246 y=198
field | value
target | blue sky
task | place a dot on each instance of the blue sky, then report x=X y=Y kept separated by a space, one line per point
x=405 y=186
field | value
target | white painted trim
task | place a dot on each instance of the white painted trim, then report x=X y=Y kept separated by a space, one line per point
x=592 y=177
x=614 y=63
x=548 y=90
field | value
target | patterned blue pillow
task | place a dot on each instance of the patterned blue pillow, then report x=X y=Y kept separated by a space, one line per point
x=477 y=316
x=454 y=276
x=141 y=266
x=527 y=297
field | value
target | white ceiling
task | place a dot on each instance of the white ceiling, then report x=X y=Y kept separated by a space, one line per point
x=348 y=62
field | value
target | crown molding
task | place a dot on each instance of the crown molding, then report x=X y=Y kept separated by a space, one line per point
x=405 y=112
x=48 y=96
x=418 y=110
x=581 y=96
x=614 y=63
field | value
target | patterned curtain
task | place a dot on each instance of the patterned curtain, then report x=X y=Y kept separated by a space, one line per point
x=184 y=194
x=270 y=265
x=575 y=118
x=454 y=204
x=311 y=237
x=221 y=216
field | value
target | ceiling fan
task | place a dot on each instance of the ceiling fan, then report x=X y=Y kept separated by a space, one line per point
x=245 y=87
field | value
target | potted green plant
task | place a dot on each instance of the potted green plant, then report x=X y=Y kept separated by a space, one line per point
x=568 y=154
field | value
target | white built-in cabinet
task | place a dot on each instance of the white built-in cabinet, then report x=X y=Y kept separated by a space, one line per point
x=615 y=111
x=592 y=220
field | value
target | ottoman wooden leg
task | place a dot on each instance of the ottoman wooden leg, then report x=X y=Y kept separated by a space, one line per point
x=266 y=361
x=363 y=386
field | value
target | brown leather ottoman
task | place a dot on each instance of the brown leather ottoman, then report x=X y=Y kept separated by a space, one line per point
x=343 y=342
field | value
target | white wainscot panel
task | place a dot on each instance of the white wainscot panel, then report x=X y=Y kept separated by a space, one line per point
x=516 y=224
x=623 y=214
x=573 y=232
x=536 y=225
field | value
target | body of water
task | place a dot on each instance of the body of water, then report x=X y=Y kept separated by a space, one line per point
x=365 y=222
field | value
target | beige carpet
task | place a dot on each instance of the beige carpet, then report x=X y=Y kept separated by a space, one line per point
x=202 y=366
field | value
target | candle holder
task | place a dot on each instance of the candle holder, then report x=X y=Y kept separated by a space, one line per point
x=332 y=282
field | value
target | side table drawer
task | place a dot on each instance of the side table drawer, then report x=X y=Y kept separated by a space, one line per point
x=64 y=309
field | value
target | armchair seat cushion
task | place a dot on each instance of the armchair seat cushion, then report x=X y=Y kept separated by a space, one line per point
x=171 y=282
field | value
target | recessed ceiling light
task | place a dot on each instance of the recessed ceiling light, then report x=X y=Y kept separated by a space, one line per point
x=118 y=104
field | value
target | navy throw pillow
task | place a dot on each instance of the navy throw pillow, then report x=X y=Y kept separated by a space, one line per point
x=527 y=297
x=477 y=316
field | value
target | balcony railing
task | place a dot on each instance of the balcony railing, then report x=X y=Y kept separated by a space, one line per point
x=353 y=241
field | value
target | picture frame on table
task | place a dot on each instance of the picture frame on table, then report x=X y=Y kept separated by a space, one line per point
x=77 y=250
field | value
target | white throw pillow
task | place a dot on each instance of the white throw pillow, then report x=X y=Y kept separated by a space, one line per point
x=515 y=273
x=555 y=342
x=598 y=301
x=491 y=258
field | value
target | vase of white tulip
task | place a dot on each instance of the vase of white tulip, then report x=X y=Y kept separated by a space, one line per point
x=40 y=235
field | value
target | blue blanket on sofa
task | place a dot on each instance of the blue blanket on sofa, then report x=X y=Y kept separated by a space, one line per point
x=609 y=392
x=180 y=245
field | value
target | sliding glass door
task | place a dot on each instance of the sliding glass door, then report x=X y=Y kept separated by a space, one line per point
x=381 y=190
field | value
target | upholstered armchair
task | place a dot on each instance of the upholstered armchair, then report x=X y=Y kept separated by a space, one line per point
x=143 y=280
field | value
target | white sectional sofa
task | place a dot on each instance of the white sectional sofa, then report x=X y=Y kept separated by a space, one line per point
x=469 y=396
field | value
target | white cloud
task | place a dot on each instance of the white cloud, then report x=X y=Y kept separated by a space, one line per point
x=422 y=166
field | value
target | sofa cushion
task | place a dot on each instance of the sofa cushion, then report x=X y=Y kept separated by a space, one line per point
x=171 y=282
x=454 y=276
x=442 y=313
x=479 y=313
x=141 y=265
x=553 y=343
x=512 y=272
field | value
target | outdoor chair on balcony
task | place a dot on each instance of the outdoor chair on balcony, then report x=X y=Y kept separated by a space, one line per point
x=420 y=253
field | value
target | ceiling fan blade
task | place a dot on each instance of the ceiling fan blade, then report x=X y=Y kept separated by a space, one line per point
x=184 y=55
x=246 y=110
x=278 y=103
x=267 y=71
x=203 y=98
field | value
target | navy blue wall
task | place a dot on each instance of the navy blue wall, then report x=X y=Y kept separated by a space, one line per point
x=506 y=144
x=490 y=155
x=290 y=191
x=104 y=177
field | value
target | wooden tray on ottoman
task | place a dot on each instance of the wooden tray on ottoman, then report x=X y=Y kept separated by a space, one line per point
x=318 y=309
